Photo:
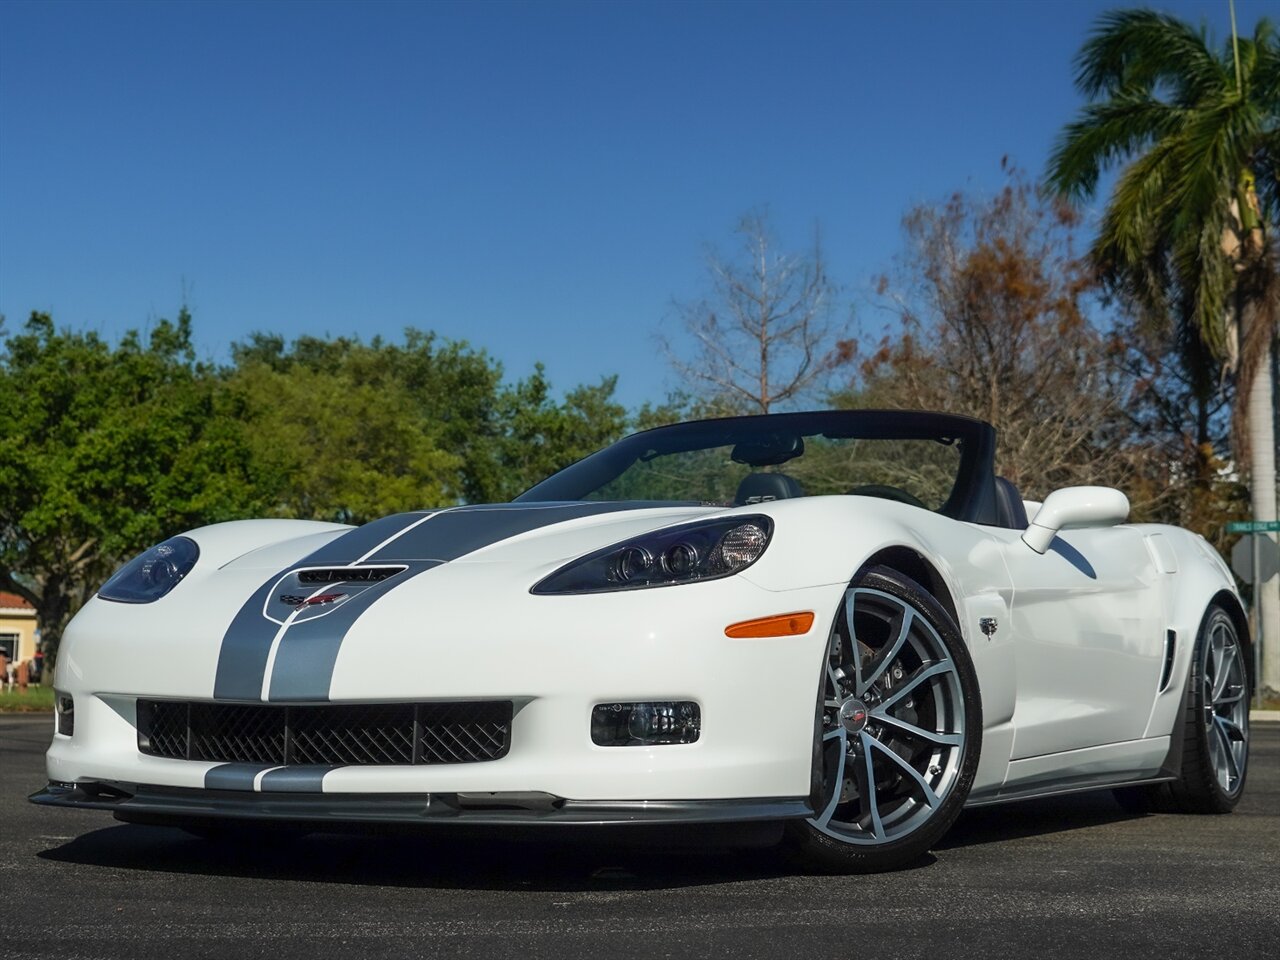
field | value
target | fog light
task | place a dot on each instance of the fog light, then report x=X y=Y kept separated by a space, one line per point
x=65 y=707
x=645 y=724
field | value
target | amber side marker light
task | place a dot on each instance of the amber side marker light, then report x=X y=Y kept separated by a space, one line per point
x=781 y=625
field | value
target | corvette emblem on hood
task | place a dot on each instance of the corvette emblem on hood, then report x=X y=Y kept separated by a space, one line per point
x=293 y=600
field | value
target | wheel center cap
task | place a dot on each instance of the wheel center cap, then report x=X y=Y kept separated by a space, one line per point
x=853 y=715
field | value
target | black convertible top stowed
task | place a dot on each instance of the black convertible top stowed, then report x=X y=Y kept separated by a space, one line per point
x=974 y=497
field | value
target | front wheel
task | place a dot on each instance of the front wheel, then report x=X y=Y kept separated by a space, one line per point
x=899 y=730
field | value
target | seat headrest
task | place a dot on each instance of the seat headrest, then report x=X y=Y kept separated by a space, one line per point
x=763 y=487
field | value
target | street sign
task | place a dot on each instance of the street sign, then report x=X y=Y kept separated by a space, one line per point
x=1268 y=559
x=1253 y=526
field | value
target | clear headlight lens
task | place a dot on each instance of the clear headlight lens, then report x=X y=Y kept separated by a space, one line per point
x=150 y=575
x=706 y=550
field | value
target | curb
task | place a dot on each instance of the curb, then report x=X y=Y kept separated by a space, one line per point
x=1264 y=716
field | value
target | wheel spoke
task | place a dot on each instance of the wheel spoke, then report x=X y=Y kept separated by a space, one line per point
x=825 y=817
x=903 y=624
x=1218 y=752
x=934 y=736
x=867 y=788
x=855 y=657
x=1229 y=698
x=926 y=672
x=1231 y=767
x=1230 y=729
x=931 y=798
x=1221 y=671
x=834 y=676
x=1216 y=748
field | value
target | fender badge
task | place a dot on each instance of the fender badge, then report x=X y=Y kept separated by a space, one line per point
x=988 y=626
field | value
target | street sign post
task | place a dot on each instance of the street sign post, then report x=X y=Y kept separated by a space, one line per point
x=1256 y=559
x=1253 y=526
x=1264 y=551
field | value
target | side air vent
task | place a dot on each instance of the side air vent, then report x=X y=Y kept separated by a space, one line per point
x=1170 y=649
x=348 y=575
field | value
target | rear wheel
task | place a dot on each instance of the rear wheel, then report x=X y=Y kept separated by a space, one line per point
x=1215 y=732
x=899 y=729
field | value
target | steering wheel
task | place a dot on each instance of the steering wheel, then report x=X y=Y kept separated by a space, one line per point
x=886 y=492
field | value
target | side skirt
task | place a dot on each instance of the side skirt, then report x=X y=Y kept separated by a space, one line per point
x=1035 y=793
x=1112 y=765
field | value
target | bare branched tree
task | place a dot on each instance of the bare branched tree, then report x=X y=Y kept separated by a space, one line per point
x=990 y=321
x=764 y=336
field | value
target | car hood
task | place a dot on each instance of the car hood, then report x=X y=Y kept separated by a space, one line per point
x=509 y=532
x=303 y=596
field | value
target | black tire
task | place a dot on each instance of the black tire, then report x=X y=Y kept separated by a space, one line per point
x=867 y=827
x=1212 y=772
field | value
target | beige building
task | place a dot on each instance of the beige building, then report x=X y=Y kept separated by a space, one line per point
x=17 y=627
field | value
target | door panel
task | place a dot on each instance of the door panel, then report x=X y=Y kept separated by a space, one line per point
x=1089 y=632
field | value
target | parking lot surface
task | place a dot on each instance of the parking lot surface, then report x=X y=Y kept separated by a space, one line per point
x=1068 y=877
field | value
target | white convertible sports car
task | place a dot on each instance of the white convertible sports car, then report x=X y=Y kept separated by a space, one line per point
x=843 y=620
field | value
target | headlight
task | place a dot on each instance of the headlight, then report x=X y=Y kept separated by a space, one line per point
x=705 y=550
x=150 y=575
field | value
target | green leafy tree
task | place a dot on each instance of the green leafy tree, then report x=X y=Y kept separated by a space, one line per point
x=328 y=447
x=1187 y=231
x=434 y=413
x=538 y=436
x=107 y=449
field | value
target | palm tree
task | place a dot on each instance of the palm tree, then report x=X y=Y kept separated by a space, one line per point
x=1187 y=231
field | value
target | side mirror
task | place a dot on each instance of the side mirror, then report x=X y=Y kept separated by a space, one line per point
x=1075 y=507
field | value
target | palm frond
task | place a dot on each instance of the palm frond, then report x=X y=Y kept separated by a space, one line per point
x=1107 y=133
x=1267 y=168
x=1148 y=50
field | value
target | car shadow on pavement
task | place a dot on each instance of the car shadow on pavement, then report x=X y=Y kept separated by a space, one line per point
x=1029 y=818
x=577 y=859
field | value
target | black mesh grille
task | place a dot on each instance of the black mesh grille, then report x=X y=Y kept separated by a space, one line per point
x=372 y=733
x=167 y=729
x=390 y=734
x=242 y=733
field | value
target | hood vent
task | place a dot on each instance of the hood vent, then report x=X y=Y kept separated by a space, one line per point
x=348 y=574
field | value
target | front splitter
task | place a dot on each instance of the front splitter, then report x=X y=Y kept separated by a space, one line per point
x=141 y=802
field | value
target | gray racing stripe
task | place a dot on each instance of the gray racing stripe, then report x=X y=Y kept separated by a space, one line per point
x=233 y=776
x=299 y=779
x=351 y=546
x=454 y=533
x=242 y=659
x=303 y=668
x=308 y=651
x=245 y=647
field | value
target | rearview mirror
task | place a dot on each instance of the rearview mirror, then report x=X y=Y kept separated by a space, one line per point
x=1075 y=507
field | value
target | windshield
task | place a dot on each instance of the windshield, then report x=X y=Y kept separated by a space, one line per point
x=918 y=459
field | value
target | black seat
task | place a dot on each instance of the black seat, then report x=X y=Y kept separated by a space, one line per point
x=763 y=487
x=1010 y=510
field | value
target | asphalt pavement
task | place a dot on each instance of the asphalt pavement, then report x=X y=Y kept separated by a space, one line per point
x=1068 y=877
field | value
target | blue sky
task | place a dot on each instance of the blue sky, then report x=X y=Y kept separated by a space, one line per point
x=540 y=179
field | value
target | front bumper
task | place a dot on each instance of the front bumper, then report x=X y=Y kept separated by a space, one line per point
x=141 y=803
x=477 y=633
